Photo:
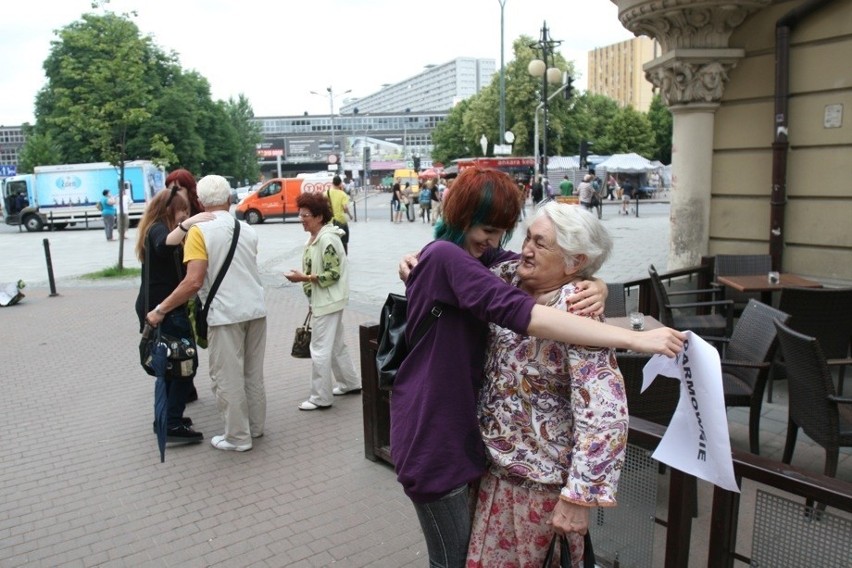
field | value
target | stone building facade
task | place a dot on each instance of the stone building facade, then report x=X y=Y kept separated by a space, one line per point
x=761 y=93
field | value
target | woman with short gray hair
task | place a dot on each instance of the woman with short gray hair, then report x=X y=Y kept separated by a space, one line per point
x=553 y=415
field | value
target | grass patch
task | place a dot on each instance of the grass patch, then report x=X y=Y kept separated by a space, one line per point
x=113 y=272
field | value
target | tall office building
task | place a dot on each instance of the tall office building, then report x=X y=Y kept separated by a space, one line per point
x=438 y=88
x=616 y=71
x=11 y=141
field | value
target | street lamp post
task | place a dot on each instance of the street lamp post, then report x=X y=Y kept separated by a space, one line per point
x=502 y=79
x=539 y=68
x=405 y=136
x=331 y=96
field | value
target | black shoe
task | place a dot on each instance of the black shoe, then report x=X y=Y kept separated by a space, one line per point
x=186 y=421
x=183 y=434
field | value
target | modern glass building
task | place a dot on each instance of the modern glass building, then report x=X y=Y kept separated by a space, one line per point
x=438 y=88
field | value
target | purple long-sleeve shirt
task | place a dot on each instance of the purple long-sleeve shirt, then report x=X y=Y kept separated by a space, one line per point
x=435 y=440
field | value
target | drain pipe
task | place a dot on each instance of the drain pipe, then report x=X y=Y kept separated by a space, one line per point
x=780 y=146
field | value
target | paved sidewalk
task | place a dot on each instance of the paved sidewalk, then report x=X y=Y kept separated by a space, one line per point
x=81 y=483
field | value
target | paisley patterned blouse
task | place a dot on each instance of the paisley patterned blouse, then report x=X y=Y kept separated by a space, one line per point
x=553 y=415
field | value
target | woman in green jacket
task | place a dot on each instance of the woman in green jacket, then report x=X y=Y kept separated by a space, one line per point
x=325 y=279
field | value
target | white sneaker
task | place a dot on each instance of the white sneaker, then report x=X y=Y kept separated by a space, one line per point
x=308 y=405
x=220 y=443
x=337 y=391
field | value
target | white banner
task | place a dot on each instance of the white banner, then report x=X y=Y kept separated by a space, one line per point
x=697 y=439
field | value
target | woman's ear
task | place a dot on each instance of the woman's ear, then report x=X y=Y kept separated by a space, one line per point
x=576 y=264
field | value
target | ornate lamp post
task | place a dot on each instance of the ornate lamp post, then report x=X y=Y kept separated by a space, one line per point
x=539 y=68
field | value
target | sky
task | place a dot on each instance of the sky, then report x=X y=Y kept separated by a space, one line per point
x=276 y=52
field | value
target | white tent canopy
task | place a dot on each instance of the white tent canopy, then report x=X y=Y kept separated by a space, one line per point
x=626 y=164
x=563 y=163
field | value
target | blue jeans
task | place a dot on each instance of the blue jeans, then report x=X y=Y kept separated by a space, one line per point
x=446 y=526
x=177 y=324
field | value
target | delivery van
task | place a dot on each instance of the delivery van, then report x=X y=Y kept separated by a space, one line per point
x=276 y=198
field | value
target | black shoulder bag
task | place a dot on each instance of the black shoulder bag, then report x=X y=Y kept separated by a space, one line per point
x=392 y=345
x=201 y=313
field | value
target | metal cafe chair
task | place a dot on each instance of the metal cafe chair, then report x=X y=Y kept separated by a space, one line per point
x=748 y=357
x=615 y=306
x=814 y=405
x=823 y=313
x=717 y=324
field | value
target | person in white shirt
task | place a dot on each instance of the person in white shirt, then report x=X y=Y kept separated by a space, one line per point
x=124 y=213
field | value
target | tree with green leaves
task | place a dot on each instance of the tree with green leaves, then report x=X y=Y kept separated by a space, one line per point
x=112 y=95
x=40 y=149
x=97 y=92
x=630 y=131
x=661 y=123
x=448 y=135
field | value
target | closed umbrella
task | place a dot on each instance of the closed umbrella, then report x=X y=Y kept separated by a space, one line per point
x=159 y=361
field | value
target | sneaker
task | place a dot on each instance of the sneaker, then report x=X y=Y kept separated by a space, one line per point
x=220 y=443
x=337 y=391
x=308 y=405
x=183 y=434
x=185 y=420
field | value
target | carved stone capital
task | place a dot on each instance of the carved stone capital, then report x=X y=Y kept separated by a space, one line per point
x=686 y=23
x=686 y=76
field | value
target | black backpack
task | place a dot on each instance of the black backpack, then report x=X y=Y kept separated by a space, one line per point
x=392 y=345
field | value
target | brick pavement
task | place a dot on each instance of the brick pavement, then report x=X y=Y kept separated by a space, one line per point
x=82 y=485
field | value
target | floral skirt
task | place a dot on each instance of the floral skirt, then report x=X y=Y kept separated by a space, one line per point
x=510 y=527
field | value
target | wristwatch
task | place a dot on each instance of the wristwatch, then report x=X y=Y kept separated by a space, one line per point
x=158 y=311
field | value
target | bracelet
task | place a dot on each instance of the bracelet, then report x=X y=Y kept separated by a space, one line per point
x=180 y=226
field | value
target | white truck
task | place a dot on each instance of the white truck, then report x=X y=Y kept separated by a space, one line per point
x=59 y=196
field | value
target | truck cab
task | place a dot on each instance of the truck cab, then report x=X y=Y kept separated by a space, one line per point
x=18 y=207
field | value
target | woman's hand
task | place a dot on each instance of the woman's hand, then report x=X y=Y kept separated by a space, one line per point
x=589 y=299
x=665 y=341
x=154 y=318
x=199 y=218
x=407 y=263
x=297 y=276
x=569 y=517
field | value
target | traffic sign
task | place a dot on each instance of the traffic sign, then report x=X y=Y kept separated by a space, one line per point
x=8 y=171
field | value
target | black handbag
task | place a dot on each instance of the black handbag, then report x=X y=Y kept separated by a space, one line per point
x=392 y=347
x=302 y=341
x=181 y=360
x=565 y=552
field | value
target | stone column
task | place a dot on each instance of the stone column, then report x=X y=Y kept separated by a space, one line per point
x=691 y=81
x=690 y=74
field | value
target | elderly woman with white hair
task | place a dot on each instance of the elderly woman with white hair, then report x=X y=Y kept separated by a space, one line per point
x=553 y=416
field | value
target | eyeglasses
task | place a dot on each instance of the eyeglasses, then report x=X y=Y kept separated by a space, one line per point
x=305 y=215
